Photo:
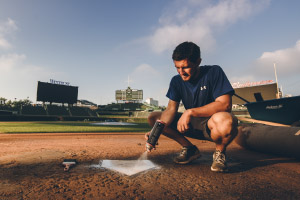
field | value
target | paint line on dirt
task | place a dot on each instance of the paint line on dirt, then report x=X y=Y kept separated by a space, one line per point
x=127 y=167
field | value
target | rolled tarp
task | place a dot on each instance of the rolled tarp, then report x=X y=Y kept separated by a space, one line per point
x=284 y=141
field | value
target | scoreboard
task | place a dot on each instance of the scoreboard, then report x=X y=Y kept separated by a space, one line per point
x=48 y=92
x=129 y=95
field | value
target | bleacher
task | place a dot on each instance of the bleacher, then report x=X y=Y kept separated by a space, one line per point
x=57 y=110
x=4 y=107
x=93 y=113
x=79 y=111
x=33 y=110
x=8 y=108
x=125 y=107
x=28 y=111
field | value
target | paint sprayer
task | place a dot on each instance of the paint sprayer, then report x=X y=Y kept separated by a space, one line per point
x=154 y=134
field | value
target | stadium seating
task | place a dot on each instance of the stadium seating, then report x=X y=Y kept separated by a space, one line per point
x=9 y=108
x=79 y=111
x=126 y=107
x=57 y=110
x=33 y=110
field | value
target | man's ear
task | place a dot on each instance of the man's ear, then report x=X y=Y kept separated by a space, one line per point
x=198 y=61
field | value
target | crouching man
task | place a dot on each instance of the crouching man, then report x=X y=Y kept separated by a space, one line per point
x=206 y=95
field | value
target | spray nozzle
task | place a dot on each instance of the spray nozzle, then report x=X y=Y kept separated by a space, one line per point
x=149 y=147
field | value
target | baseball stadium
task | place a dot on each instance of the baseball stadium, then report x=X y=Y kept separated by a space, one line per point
x=70 y=148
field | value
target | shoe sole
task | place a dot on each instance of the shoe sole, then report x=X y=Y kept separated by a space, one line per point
x=189 y=160
x=218 y=170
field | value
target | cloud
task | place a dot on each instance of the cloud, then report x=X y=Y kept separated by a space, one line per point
x=151 y=81
x=287 y=61
x=11 y=25
x=144 y=74
x=6 y=28
x=4 y=44
x=19 y=79
x=200 y=21
x=145 y=71
x=9 y=62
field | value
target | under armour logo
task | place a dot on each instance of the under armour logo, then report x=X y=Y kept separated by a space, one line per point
x=203 y=88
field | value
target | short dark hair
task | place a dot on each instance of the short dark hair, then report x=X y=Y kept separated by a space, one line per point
x=187 y=50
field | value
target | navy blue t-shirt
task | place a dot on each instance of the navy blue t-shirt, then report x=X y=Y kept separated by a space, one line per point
x=209 y=85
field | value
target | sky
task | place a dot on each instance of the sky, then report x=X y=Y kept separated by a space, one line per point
x=97 y=44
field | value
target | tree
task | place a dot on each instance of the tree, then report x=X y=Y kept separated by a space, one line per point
x=21 y=103
x=2 y=100
x=9 y=103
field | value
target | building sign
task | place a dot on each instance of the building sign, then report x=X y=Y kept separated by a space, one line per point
x=251 y=84
x=59 y=82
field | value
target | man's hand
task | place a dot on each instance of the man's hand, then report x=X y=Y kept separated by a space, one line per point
x=147 y=137
x=183 y=122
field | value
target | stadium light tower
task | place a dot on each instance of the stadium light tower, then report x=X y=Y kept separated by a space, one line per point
x=128 y=81
x=276 y=81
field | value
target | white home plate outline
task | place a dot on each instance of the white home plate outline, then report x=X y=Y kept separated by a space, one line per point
x=128 y=167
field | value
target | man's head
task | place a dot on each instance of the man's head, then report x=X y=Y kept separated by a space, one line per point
x=187 y=58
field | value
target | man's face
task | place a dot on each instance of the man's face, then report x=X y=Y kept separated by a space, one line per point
x=186 y=69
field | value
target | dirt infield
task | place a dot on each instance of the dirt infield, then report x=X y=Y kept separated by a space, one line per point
x=30 y=168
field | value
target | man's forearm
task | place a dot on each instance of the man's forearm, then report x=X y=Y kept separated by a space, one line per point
x=168 y=116
x=210 y=109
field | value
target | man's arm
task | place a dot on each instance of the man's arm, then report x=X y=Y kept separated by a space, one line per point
x=221 y=104
x=168 y=115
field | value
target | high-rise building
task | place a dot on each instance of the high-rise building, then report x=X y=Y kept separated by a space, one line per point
x=152 y=102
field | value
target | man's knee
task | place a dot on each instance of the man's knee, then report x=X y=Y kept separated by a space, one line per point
x=223 y=123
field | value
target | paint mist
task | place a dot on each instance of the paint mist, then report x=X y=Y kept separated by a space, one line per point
x=144 y=156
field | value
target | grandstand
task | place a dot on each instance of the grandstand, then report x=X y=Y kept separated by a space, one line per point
x=267 y=91
x=57 y=110
x=53 y=97
x=14 y=110
x=85 y=103
x=48 y=111
x=80 y=111
x=129 y=107
x=33 y=110
x=59 y=102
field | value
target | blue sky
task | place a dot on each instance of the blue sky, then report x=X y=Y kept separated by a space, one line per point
x=97 y=44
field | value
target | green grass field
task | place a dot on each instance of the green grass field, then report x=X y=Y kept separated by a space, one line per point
x=68 y=127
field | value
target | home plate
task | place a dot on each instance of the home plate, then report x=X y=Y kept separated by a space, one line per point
x=128 y=167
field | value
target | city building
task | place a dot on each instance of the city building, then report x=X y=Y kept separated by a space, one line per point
x=152 y=102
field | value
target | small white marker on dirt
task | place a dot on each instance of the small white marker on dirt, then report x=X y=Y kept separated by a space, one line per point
x=68 y=163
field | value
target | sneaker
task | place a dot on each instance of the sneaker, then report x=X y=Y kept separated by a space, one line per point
x=219 y=162
x=187 y=155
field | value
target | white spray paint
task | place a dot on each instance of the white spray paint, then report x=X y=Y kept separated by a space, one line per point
x=144 y=156
x=128 y=167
